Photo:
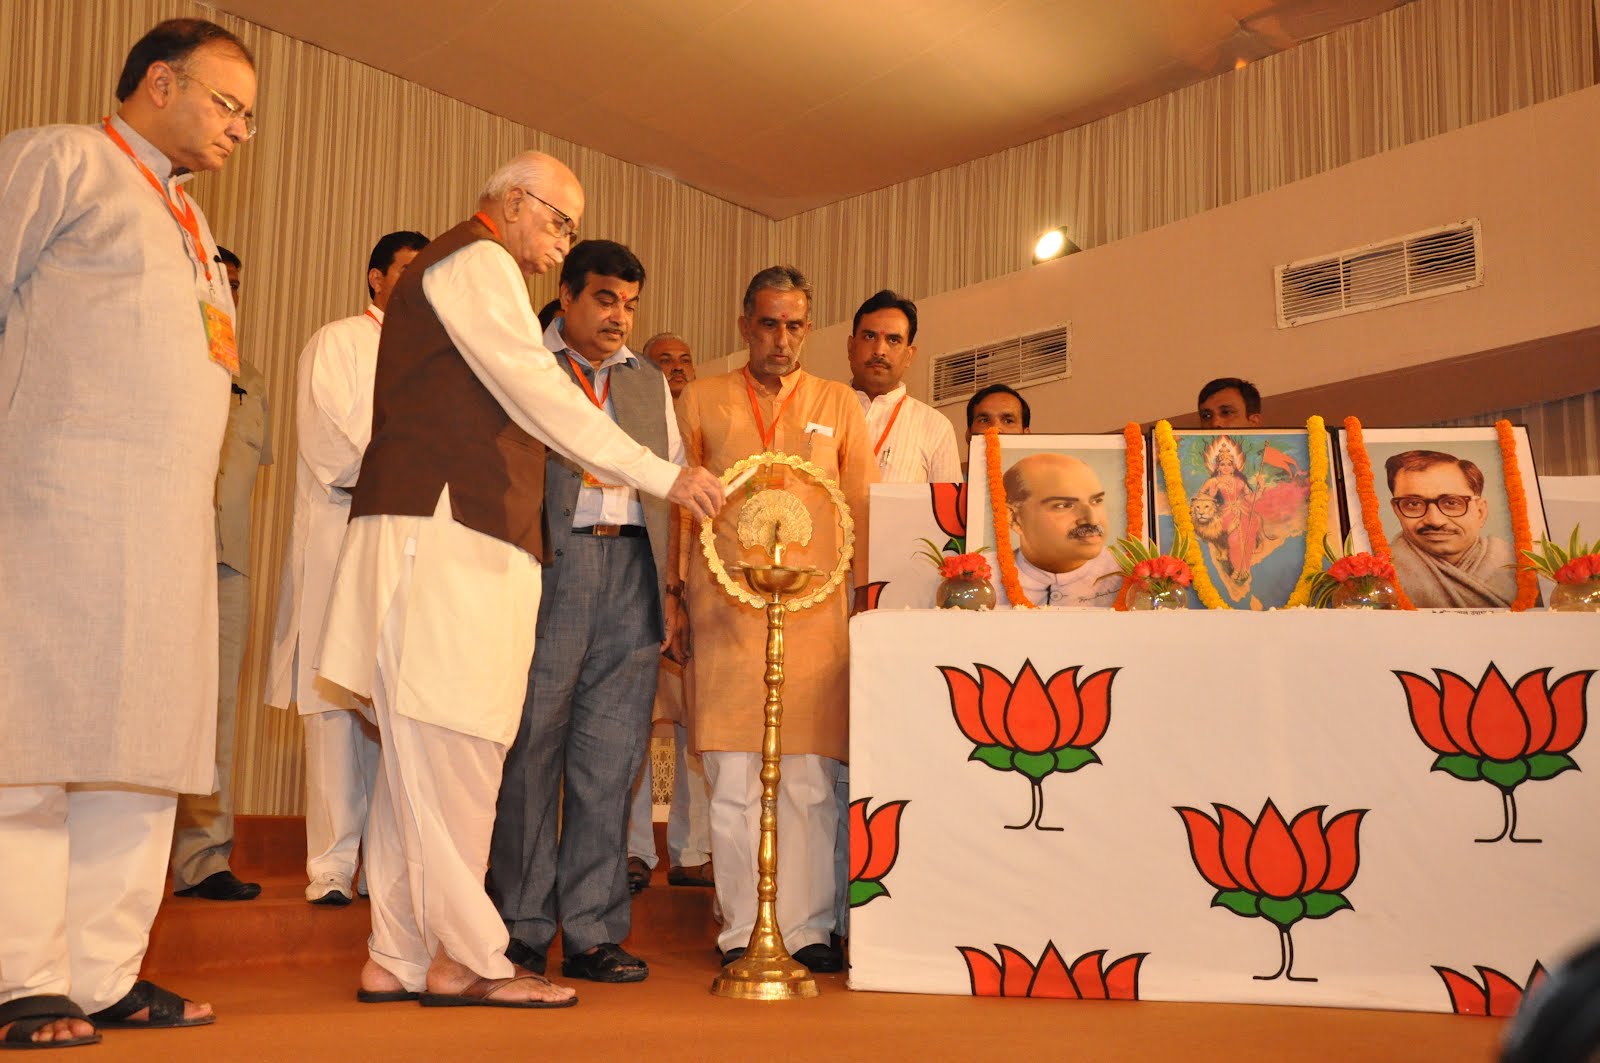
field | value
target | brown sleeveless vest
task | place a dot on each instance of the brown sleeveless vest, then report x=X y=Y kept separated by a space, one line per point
x=435 y=424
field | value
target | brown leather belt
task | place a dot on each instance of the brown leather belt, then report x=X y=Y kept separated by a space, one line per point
x=612 y=531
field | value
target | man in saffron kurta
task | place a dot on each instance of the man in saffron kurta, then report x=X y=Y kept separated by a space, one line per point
x=773 y=404
x=112 y=405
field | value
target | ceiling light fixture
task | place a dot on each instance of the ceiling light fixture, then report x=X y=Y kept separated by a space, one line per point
x=1053 y=244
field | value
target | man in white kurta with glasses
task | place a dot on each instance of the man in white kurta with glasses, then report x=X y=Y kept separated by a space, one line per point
x=116 y=352
x=437 y=590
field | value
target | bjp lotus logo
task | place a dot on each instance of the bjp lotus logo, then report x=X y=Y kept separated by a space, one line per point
x=1274 y=870
x=950 y=513
x=1491 y=993
x=1500 y=733
x=874 y=847
x=1031 y=726
x=1085 y=978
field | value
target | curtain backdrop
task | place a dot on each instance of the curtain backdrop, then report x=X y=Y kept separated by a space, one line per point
x=347 y=153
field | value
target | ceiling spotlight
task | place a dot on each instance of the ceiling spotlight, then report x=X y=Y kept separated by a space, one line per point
x=1053 y=244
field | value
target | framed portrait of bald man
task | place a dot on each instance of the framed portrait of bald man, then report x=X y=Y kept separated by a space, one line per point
x=1442 y=501
x=1067 y=501
x=1249 y=498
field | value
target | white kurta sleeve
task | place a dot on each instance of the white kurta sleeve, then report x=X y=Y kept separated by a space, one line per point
x=335 y=416
x=482 y=301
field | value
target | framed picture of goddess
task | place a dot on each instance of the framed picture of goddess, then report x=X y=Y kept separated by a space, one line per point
x=1249 y=495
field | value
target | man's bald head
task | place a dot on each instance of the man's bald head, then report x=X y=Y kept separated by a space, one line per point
x=1058 y=505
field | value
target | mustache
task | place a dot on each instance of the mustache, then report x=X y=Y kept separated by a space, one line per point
x=1084 y=531
x=880 y=363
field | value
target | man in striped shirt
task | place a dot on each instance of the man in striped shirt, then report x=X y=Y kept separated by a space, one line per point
x=912 y=441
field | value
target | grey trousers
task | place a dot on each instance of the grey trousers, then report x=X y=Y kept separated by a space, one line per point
x=202 y=838
x=559 y=852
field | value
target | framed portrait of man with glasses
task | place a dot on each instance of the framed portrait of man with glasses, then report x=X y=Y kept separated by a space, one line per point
x=1443 y=505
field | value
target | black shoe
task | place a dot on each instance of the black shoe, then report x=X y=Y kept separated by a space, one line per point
x=606 y=963
x=525 y=955
x=732 y=954
x=223 y=886
x=820 y=958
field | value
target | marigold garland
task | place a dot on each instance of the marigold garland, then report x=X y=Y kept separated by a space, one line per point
x=1002 y=524
x=1182 y=521
x=1521 y=531
x=1133 y=485
x=1361 y=463
x=1316 y=511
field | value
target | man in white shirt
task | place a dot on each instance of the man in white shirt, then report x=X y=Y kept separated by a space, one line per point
x=116 y=351
x=333 y=408
x=1058 y=506
x=436 y=595
x=912 y=441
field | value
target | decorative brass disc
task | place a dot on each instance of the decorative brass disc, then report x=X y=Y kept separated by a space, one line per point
x=847 y=526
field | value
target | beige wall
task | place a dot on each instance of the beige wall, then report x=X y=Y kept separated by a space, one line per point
x=1154 y=316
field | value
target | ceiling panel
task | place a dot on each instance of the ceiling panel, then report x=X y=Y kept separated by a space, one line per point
x=782 y=108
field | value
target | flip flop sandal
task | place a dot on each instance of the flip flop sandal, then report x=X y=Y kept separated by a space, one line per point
x=28 y=1015
x=385 y=996
x=480 y=994
x=166 y=1010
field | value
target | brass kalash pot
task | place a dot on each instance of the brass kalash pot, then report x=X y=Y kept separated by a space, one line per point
x=771 y=521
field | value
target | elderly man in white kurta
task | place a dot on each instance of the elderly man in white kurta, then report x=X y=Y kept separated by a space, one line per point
x=115 y=358
x=333 y=408
x=437 y=589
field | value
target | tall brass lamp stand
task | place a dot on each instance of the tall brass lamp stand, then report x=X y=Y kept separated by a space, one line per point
x=772 y=521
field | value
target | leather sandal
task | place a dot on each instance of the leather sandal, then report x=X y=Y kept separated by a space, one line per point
x=26 y=1016
x=166 y=1010
x=481 y=994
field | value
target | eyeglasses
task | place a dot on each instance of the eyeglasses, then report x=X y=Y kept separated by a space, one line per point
x=230 y=106
x=566 y=228
x=1414 y=506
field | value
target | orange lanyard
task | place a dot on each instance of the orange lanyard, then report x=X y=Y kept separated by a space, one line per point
x=186 y=217
x=487 y=224
x=885 y=437
x=767 y=434
x=374 y=318
x=588 y=389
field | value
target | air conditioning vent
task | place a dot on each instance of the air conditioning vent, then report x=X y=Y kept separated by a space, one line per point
x=1423 y=264
x=1021 y=361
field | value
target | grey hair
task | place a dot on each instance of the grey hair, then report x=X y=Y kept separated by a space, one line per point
x=778 y=279
x=658 y=337
x=532 y=170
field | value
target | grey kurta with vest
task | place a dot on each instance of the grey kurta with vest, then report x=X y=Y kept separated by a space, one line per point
x=111 y=419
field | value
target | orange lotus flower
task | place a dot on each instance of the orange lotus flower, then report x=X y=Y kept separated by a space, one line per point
x=950 y=513
x=1499 y=732
x=1493 y=994
x=1276 y=870
x=1031 y=726
x=872 y=592
x=874 y=847
x=1012 y=975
